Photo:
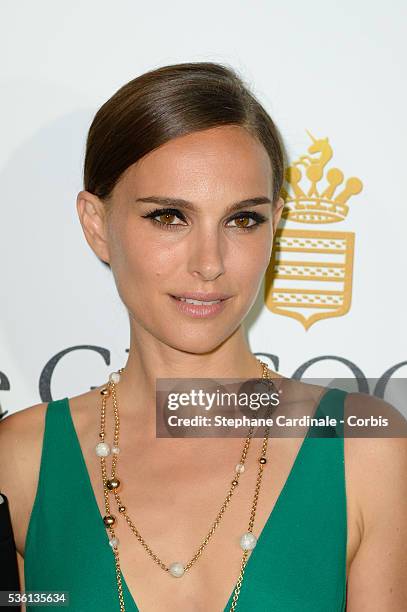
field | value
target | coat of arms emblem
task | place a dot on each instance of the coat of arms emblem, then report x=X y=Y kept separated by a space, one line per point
x=310 y=272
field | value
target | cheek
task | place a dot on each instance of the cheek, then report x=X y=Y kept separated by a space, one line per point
x=250 y=261
x=141 y=257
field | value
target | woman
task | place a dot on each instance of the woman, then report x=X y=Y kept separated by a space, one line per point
x=183 y=172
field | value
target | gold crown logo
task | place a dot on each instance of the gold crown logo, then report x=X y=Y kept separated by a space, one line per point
x=324 y=199
x=309 y=277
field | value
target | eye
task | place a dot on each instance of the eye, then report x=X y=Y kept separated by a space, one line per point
x=244 y=217
x=168 y=215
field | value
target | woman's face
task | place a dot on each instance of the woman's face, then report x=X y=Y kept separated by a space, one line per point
x=195 y=247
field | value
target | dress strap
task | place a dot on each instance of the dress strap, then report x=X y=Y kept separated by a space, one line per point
x=331 y=405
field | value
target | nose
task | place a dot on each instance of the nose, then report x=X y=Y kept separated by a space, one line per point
x=206 y=258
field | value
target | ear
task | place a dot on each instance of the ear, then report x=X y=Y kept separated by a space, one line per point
x=92 y=215
x=278 y=209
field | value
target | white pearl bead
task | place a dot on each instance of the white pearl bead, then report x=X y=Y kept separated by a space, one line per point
x=114 y=377
x=176 y=569
x=102 y=449
x=114 y=542
x=248 y=541
x=115 y=450
x=239 y=468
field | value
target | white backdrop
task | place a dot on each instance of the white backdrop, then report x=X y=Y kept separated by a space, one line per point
x=335 y=69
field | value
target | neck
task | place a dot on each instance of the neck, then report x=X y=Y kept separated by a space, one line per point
x=150 y=359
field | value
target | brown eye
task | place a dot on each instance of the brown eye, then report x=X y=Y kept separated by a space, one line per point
x=244 y=220
x=167 y=218
x=164 y=217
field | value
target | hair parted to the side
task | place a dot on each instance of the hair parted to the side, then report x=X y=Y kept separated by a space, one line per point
x=166 y=103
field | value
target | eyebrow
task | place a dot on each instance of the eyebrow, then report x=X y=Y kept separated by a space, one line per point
x=181 y=203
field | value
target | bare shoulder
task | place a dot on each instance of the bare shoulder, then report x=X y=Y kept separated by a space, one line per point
x=21 y=443
x=379 y=454
x=21 y=436
x=378 y=476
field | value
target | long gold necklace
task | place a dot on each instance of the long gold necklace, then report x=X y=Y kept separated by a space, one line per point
x=112 y=485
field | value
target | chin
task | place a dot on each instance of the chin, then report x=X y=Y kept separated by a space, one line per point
x=195 y=344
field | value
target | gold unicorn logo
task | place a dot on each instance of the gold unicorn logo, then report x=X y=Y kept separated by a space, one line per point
x=304 y=263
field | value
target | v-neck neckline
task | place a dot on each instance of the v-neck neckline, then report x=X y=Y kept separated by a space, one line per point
x=260 y=538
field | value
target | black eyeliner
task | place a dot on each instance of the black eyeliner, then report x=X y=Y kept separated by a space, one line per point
x=163 y=211
x=258 y=217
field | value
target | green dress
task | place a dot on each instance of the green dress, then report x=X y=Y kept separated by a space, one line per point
x=298 y=564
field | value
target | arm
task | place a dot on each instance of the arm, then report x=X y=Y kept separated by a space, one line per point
x=21 y=437
x=377 y=580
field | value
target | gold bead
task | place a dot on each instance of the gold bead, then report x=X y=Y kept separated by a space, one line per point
x=109 y=520
x=262 y=460
x=122 y=508
x=105 y=391
x=113 y=483
x=235 y=482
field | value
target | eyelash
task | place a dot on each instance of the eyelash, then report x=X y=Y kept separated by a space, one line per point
x=259 y=218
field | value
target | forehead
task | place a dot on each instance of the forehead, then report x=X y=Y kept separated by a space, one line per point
x=224 y=159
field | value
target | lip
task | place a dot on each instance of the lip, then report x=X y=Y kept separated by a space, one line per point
x=197 y=311
x=202 y=295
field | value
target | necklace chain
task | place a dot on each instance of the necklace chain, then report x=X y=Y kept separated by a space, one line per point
x=113 y=485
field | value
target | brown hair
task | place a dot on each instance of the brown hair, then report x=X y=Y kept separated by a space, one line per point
x=168 y=102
